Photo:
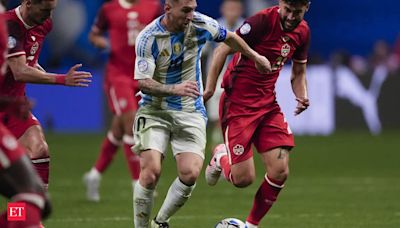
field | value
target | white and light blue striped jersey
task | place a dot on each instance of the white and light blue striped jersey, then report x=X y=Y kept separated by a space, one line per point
x=172 y=58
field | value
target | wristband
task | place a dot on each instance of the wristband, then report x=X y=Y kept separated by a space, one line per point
x=60 y=79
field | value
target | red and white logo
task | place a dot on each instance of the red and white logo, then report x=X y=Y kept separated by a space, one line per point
x=285 y=50
x=16 y=212
x=238 y=149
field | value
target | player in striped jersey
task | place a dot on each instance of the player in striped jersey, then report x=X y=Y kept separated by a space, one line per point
x=171 y=109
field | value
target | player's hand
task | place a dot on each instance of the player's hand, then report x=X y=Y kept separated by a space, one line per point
x=187 y=88
x=302 y=104
x=262 y=64
x=101 y=43
x=208 y=93
x=77 y=78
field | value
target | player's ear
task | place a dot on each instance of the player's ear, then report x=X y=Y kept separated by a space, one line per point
x=28 y=3
x=167 y=6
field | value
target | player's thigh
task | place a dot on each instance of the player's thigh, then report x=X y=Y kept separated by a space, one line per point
x=121 y=97
x=188 y=133
x=127 y=119
x=151 y=131
x=273 y=132
x=34 y=141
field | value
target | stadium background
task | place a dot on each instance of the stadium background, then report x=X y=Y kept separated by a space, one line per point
x=349 y=178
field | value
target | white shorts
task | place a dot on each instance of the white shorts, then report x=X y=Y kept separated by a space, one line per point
x=155 y=129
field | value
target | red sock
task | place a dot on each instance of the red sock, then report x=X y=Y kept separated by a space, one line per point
x=42 y=167
x=226 y=167
x=264 y=199
x=133 y=161
x=108 y=150
x=32 y=219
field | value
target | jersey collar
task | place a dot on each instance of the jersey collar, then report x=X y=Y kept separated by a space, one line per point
x=18 y=13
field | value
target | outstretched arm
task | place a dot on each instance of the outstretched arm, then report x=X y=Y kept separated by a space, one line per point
x=218 y=61
x=24 y=73
x=299 y=86
x=233 y=43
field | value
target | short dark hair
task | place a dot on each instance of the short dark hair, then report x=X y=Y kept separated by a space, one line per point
x=296 y=2
x=35 y=1
x=240 y=1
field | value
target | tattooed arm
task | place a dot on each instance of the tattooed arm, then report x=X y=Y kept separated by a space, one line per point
x=152 y=87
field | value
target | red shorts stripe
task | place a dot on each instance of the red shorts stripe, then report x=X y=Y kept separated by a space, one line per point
x=122 y=97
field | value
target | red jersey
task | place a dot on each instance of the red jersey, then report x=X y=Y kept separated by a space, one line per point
x=124 y=21
x=263 y=32
x=22 y=40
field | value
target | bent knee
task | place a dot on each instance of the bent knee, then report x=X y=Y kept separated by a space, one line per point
x=149 y=176
x=280 y=174
x=38 y=149
x=189 y=176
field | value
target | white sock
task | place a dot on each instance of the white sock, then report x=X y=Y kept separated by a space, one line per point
x=142 y=205
x=177 y=195
x=94 y=173
x=249 y=225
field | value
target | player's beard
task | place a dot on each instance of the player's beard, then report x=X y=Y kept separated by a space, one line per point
x=289 y=26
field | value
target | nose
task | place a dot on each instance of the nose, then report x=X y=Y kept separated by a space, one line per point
x=290 y=16
x=190 y=15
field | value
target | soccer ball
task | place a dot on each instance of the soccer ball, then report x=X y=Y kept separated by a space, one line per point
x=230 y=223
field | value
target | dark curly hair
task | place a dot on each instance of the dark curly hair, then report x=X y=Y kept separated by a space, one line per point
x=296 y=2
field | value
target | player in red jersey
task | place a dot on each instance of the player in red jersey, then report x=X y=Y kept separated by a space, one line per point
x=18 y=179
x=28 y=24
x=249 y=112
x=123 y=20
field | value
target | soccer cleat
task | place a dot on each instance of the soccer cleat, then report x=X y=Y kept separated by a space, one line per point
x=92 y=187
x=213 y=170
x=155 y=224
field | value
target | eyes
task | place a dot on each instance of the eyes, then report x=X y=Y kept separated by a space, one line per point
x=187 y=9
x=294 y=11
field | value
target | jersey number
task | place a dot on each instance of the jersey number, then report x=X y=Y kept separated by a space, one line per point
x=280 y=61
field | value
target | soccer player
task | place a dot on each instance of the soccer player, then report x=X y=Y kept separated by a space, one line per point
x=28 y=24
x=171 y=109
x=249 y=112
x=18 y=179
x=123 y=20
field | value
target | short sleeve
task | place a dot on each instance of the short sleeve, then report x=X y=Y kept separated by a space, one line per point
x=253 y=28
x=101 y=22
x=301 y=53
x=145 y=63
x=217 y=31
x=15 y=39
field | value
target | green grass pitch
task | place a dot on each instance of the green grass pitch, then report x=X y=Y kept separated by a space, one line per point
x=347 y=180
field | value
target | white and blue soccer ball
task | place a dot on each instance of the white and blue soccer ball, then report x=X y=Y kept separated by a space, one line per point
x=230 y=223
